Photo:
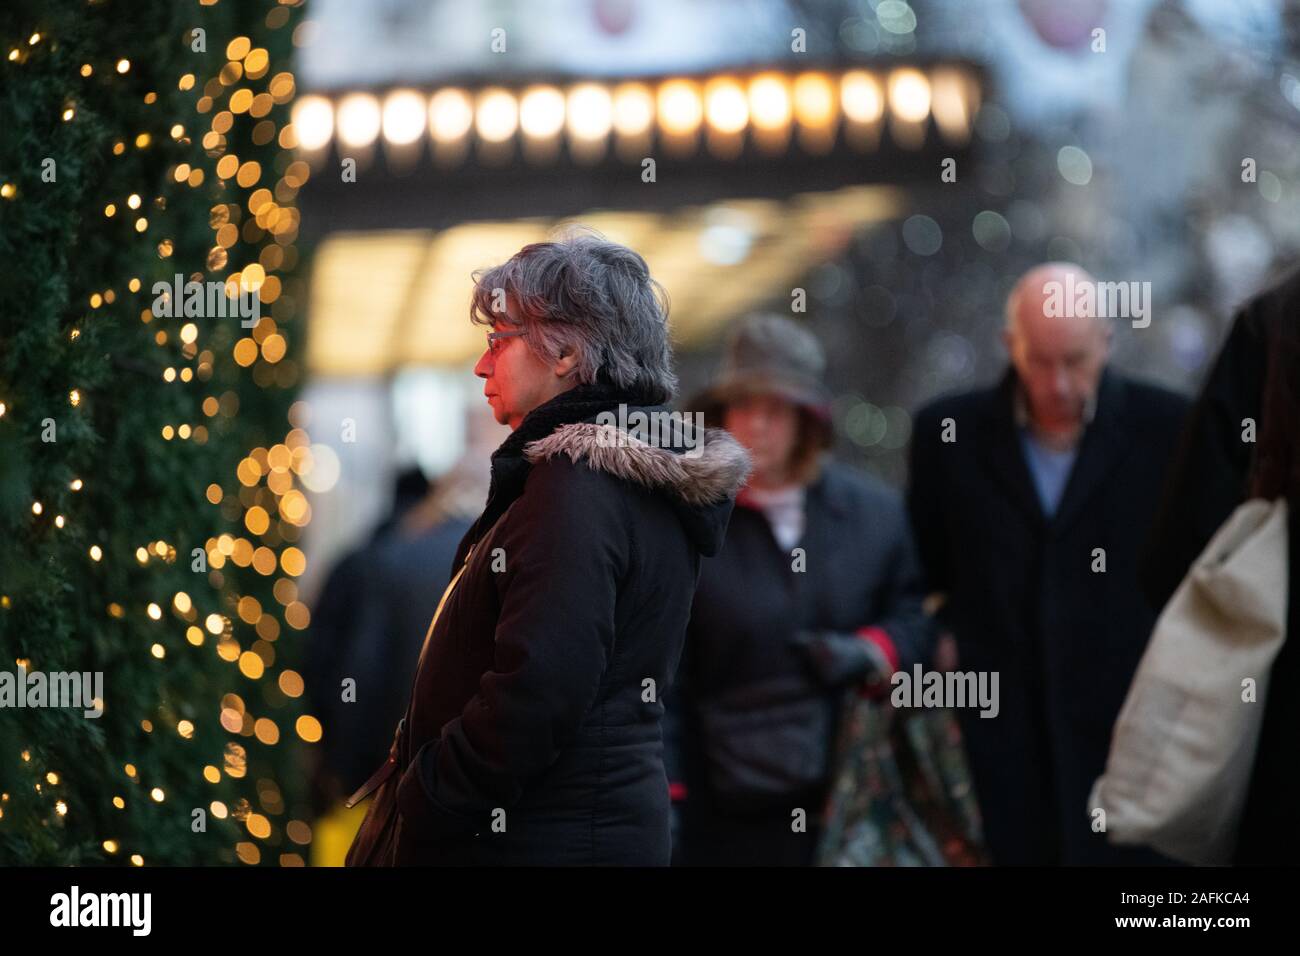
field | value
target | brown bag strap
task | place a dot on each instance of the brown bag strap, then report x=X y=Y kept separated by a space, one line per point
x=383 y=773
x=395 y=752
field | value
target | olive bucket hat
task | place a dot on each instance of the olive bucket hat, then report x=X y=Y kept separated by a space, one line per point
x=769 y=355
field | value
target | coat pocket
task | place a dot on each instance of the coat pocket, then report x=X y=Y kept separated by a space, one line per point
x=766 y=740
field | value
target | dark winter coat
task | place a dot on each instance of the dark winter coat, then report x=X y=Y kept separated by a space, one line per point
x=1024 y=600
x=1209 y=478
x=859 y=569
x=534 y=732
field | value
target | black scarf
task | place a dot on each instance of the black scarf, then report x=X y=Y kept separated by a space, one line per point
x=510 y=468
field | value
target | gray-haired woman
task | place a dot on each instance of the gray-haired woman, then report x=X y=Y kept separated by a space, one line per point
x=533 y=731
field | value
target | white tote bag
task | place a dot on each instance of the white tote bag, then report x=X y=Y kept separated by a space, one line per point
x=1183 y=747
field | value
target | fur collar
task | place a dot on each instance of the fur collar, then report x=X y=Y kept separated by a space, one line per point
x=714 y=476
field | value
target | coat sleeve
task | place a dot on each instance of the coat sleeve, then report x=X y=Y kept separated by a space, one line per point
x=925 y=502
x=903 y=617
x=565 y=547
x=1208 y=476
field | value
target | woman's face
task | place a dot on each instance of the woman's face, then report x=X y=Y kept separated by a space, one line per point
x=768 y=426
x=515 y=380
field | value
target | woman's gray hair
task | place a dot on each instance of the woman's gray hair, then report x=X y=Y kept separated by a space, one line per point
x=583 y=294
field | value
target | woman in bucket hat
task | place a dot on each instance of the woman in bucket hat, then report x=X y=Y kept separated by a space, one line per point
x=816 y=591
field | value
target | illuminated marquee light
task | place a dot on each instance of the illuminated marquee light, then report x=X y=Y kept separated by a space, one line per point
x=769 y=109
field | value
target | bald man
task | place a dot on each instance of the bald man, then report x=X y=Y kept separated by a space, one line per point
x=1030 y=499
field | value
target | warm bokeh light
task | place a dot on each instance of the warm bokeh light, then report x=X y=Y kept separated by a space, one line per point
x=590 y=112
x=358 y=120
x=679 y=106
x=769 y=101
x=814 y=100
x=909 y=94
x=633 y=109
x=496 y=115
x=403 y=117
x=541 y=112
x=725 y=105
x=451 y=115
x=860 y=97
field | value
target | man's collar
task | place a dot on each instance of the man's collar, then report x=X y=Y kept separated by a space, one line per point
x=1020 y=405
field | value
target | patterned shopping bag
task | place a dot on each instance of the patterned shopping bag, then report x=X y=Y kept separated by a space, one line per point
x=902 y=792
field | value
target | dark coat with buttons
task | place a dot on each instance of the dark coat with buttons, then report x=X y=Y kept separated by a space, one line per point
x=1024 y=600
x=855 y=566
x=534 y=732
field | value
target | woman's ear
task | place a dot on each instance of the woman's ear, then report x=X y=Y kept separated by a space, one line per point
x=566 y=365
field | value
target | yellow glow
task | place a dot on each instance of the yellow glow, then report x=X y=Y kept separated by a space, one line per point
x=403 y=117
x=769 y=101
x=451 y=115
x=633 y=109
x=541 y=112
x=860 y=97
x=814 y=100
x=257 y=520
x=359 y=119
x=251 y=665
x=496 y=115
x=680 y=109
x=293 y=561
x=590 y=112
x=291 y=683
x=725 y=106
x=308 y=728
x=955 y=100
x=313 y=119
x=909 y=94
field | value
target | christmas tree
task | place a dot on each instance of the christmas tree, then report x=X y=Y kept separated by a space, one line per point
x=150 y=448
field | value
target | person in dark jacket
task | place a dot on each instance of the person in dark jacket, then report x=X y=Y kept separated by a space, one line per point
x=349 y=638
x=816 y=591
x=1030 y=500
x=1243 y=440
x=533 y=733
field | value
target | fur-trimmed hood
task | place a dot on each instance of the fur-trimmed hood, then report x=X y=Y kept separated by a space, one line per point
x=702 y=487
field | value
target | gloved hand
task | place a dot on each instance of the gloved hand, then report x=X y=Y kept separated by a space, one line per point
x=839 y=659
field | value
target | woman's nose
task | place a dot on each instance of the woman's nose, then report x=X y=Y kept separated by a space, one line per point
x=483 y=368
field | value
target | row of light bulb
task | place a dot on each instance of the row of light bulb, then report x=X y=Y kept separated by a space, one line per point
x=589 y=112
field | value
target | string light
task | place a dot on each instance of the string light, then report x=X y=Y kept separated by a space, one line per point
x=273 y=221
